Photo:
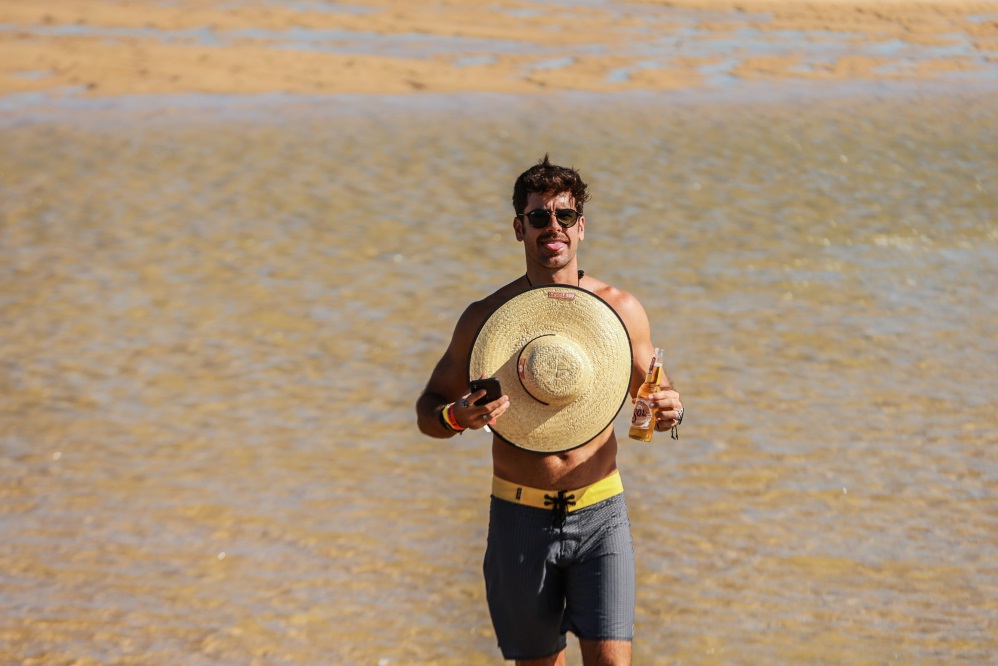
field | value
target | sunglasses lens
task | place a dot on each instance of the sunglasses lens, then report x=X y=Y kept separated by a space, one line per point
x=566 y=217
x=538 y=219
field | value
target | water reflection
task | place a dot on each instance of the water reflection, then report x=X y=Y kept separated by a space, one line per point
x=216 y=322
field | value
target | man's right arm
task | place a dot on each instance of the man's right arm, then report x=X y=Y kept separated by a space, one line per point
x=449 y=383
x=441 y=390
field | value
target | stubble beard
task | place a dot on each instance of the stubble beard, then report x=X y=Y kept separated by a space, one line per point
x=557 y=261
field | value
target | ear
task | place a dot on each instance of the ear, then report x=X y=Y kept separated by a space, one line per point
x=582 y=227
x=518 y=229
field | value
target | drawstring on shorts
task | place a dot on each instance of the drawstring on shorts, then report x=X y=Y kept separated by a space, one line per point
x=560 y=505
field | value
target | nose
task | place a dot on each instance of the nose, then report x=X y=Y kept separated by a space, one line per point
x=553 y=221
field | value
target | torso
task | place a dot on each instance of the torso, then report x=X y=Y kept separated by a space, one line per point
x=556 y=471
x=568 y=470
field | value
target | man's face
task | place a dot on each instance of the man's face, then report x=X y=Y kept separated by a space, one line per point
x=551 y=246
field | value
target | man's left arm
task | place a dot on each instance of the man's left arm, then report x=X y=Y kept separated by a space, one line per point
x=666 y=403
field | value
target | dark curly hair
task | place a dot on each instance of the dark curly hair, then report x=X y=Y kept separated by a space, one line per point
x=547 y=178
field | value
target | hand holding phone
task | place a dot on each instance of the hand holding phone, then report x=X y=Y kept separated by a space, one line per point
x=493 y=390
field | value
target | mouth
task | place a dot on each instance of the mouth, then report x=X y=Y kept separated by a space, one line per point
x=553 y=245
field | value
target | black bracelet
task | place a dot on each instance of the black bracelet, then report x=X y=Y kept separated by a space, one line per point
x=443 y=419
x=446 y=421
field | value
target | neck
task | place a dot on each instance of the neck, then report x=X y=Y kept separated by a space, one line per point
x=571 y=276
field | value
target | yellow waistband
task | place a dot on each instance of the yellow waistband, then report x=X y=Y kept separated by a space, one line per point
x=582 y=497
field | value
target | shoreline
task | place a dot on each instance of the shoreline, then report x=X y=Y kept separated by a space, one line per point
x=108 y=48
x=265 y=108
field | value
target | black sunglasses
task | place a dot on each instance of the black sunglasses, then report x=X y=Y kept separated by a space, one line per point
x=540 y=217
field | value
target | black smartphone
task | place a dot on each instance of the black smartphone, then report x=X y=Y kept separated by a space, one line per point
x=493 y=390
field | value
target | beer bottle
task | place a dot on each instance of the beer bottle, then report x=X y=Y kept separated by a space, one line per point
x=643 y=418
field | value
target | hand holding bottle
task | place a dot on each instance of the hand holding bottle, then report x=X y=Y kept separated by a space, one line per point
x=656 y=407
x=668 y=410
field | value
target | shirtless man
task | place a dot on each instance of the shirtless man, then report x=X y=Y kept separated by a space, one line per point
x=589 y=593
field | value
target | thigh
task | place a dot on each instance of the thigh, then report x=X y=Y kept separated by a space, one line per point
x=524 y=588
x=600 y=585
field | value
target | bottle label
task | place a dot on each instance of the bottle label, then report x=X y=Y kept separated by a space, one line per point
x=641 y=418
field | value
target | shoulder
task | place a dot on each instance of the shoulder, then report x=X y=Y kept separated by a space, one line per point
x=624 y=303
x=478 y=311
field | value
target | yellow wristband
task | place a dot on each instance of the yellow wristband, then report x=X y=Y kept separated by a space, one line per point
x=449 y=420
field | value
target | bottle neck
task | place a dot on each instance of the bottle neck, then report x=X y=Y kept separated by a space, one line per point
x=654 y=374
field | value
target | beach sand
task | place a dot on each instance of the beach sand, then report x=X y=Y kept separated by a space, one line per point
x=120 y=47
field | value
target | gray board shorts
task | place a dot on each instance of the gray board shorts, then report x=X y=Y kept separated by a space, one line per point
x=549 y=572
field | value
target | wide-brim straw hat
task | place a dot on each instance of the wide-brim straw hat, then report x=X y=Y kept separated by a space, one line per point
x=563 y=356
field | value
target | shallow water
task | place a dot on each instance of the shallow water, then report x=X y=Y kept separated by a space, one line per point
x=217 y=318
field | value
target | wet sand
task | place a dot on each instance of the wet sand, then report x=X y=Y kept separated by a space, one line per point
x=114 y=47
